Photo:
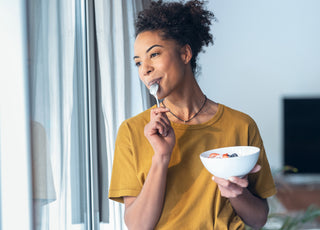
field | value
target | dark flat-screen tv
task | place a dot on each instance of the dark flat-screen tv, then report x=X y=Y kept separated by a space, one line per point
x=302 y=134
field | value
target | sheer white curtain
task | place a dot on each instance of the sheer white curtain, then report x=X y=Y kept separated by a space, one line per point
x=122 y=94
x=73 y=153
x=56 y=108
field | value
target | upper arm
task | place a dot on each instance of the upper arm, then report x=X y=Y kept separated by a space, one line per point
x=128 y=200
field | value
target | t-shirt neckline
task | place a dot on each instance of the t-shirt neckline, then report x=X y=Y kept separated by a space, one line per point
x=212 y=120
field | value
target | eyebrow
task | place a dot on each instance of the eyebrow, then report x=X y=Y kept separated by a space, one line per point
x=150 y=48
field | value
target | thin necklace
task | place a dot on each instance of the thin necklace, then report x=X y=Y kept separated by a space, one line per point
x=185 y=121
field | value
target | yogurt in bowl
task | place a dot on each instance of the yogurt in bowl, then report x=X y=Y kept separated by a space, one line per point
x=220 y=163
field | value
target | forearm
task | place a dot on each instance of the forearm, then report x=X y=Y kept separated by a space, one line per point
x=144 y=212
x=252 y=210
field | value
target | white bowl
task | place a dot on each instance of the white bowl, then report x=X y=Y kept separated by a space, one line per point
x=234 y=166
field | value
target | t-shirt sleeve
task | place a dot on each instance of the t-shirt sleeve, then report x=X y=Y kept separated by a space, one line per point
x=124 y=180
x=260 y=183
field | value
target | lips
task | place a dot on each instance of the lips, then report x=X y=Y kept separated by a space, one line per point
x=154 y=81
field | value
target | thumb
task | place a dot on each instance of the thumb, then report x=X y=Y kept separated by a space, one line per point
x=256 y=168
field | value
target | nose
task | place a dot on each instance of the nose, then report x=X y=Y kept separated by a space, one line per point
x=147 y=68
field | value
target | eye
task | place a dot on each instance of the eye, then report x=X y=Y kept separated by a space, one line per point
x=154 y=55
x=138 y=64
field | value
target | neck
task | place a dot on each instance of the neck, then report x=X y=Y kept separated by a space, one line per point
x=185 y=103
x=191 y=117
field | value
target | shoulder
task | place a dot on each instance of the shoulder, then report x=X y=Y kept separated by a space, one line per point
x=132 y=128
x=139 y=120
x=236 y=115
x=242 y=121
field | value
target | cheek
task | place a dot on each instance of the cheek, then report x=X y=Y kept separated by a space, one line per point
x=174 y=68
x=144 y=81
x=168 y=65
x=141 y=76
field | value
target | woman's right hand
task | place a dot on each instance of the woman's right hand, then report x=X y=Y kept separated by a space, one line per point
x=159 y=132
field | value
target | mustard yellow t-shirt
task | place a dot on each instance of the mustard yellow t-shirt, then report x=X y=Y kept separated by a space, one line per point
x=192 y=199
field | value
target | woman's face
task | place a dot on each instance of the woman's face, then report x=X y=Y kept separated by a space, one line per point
x=159 y=61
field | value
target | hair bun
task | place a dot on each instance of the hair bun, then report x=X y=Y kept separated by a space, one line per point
x=187 y=23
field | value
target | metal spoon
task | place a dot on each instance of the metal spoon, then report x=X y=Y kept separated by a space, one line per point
x=153 y=91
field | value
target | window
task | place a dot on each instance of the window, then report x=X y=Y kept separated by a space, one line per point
x=71 y=85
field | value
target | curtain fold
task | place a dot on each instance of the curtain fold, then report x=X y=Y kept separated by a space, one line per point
x=63 y=153
x=120 y=91
x=56 y=115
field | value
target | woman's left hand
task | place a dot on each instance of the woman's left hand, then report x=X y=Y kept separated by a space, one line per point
x=234 y=186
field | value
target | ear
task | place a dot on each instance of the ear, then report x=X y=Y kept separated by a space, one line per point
x=186 y=53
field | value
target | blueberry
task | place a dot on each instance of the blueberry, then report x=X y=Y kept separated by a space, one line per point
x=233 y=155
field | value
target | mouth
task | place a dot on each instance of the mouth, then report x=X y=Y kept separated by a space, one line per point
x=155 y=81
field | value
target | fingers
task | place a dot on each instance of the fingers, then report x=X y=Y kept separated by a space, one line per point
x=160 y=110
x=242 y=182
x=162 y=126
x=159 y=132
x=232 y=182
x=233 y=187
x=256 y=168
x=159 y=122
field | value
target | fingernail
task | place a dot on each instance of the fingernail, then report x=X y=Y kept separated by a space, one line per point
x=232 y=179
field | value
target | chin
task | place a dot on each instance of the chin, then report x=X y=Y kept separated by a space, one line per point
x=161 y=96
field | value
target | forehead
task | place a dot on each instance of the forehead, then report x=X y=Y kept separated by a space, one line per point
x=147 y=39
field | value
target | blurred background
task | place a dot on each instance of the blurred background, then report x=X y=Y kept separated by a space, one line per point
x=265 y=61
x=67 y=81
x=264 y=52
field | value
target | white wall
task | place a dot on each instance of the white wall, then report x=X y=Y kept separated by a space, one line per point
x=15 y=168
x=263 y=51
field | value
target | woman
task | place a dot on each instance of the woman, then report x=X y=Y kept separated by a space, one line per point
x=157 y=171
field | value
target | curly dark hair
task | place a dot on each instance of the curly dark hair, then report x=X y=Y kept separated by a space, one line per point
x=187 y=23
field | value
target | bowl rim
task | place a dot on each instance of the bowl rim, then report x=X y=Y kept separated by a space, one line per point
x=202 y=155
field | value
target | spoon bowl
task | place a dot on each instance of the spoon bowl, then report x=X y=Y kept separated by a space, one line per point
x=153 y=91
